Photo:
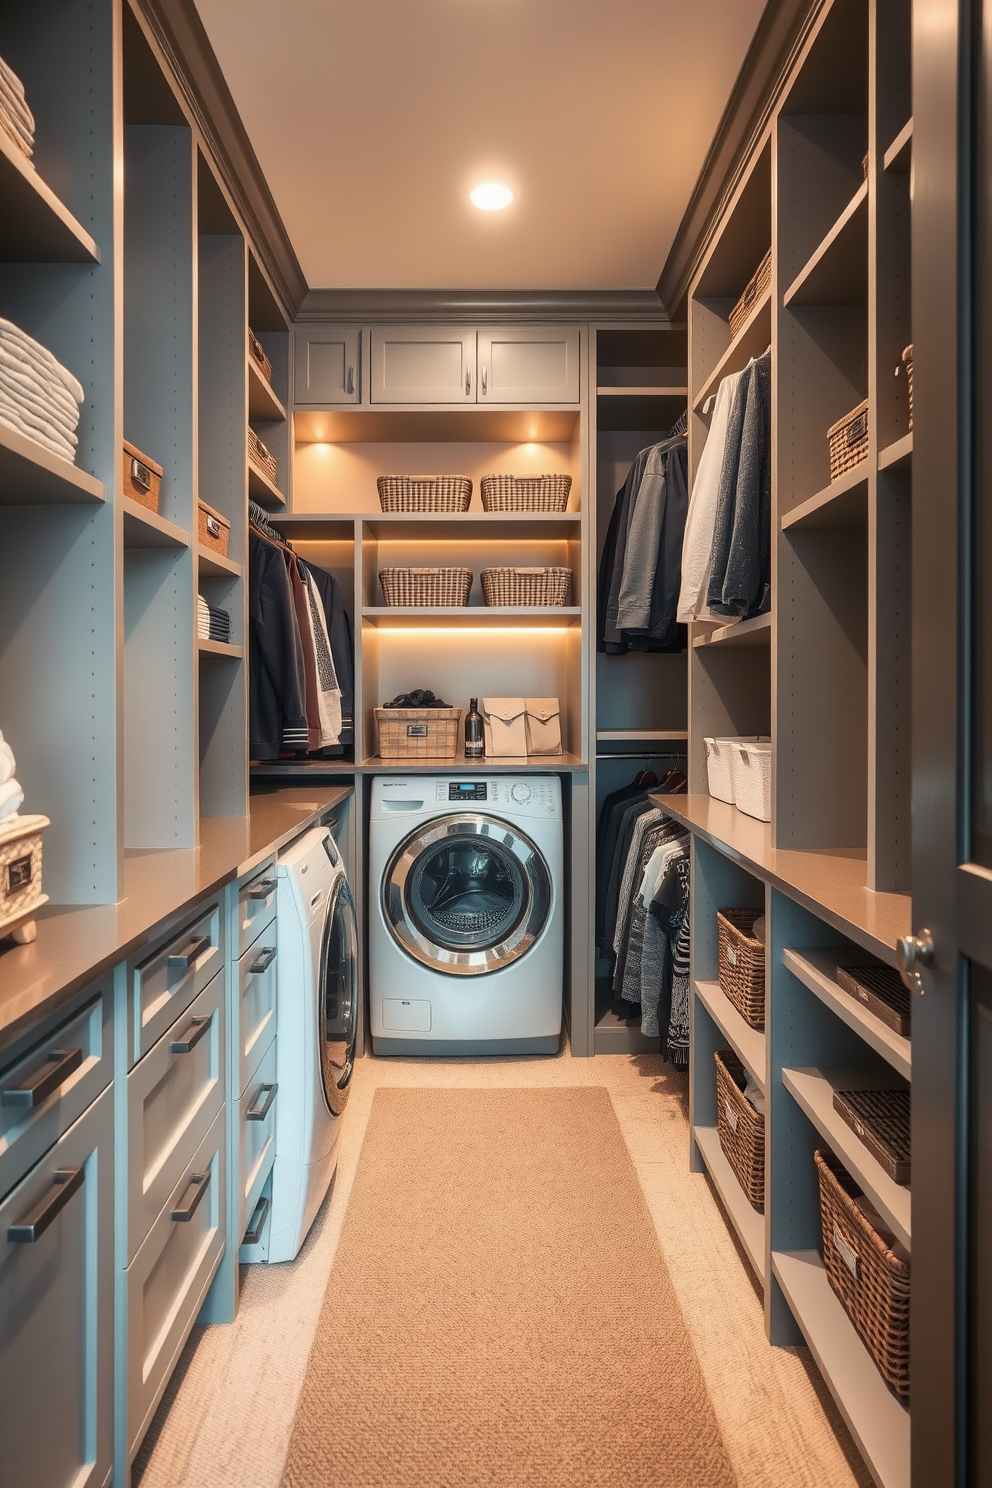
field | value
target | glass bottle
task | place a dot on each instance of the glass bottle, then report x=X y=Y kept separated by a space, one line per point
x=475 y=736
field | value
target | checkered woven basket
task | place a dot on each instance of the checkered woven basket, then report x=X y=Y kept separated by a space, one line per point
x=526 y=586
x=757 y=284
x=424 y=493
x=545 y=493
x=436 y=588
x=848 y=439
x=260 y=457
x=257 y=354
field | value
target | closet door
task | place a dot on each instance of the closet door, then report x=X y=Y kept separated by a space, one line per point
x=423 y=364
x=328 y=365
x=529 y=364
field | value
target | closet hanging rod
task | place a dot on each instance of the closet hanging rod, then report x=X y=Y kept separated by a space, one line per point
x=669 y=754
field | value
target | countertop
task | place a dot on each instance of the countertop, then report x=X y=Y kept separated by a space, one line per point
x=77 y=943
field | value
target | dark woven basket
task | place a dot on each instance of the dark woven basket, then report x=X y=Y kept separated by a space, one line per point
x=740 y=1127
x=756 y=286
x=541 y=493
x=440 y=493
x=881 y=990
x=742 y=963
x=848 y=440
x=526 y=586
x=260 y=457
x=257 y=354
x=880 y=1120
x=907 y=358
x=871 y=1281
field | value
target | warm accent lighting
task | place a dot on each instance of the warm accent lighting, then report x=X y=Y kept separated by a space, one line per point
x=491 y=196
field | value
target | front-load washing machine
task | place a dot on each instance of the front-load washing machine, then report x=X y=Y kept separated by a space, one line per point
x=466 y=917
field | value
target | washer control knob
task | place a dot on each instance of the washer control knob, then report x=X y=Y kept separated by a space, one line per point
x=521 y=792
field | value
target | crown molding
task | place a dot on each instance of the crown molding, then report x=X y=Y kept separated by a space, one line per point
x=486 y=305
x=180 y=35
x=777 y=42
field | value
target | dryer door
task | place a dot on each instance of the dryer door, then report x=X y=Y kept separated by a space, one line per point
x=338 y=1001
x=466 y=894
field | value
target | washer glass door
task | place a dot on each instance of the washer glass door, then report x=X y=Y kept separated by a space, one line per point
x=466 y=894
x=338 y=1003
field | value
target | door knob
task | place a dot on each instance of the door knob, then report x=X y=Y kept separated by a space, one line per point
x=912 y=953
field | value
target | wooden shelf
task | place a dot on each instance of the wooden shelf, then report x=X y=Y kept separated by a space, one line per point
x=30 y=475
x=837 y=273
x=844 y=503
x=754 y=634
x=217 y=564
x=219 y=648
x=470 y=617
x=748 y=1223
x=261 y=489
x=875 y=1418
x=469 y=424
x=813 y=1090
x=751 y=340
x=899 y=156
x=642 y=392
x=897 y=456
x=471 y=526
x=832 y=884
x=639 y=736
x=817 y=970
x=146 y=529
x=35 y=227
x=263 y=405
x=747 y=1043
x=547 y=764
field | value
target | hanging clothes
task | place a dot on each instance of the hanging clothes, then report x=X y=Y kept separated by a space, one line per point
x=697 y=549
x=740 y=572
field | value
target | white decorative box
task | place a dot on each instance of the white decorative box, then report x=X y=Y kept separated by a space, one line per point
x=20 y=875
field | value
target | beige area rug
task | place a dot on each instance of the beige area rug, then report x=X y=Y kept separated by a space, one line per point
x=499 y=1313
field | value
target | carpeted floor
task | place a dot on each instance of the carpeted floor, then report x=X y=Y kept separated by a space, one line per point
x=499 y=1310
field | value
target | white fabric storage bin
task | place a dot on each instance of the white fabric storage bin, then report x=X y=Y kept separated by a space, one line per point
x=753 y=777
x=720 y=764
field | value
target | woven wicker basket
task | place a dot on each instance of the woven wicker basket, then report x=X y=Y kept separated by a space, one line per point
x=740 y=1127
x=142 y=477
x=424 y=493
x=539 y=493
x=871 y=1281
x=907 y=358
x=526 y=586
x=258 y=356
x=213 y=530
x=742 y=963
x=20 y=871
x=437 y=588
x=848 y=440
x=881 y=1120
x=260 y=457
x=756 y=286
x=418 y=733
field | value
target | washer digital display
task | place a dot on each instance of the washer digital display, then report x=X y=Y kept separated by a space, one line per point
x=467 y=790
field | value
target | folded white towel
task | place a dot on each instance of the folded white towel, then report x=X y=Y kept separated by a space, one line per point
x=7 y=762
x=15 y=338
x=26 y=396
x=34 y=425
x=11 y=799
x=57 y=447
x=34 y=362
x=19 y=375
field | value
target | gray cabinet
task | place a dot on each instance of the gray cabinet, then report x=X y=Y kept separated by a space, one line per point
x=257 y=1145
x=165 y=983
x=56 y=1312
x=423 y=364
x=256 y=1009
x=528 y=364
x=328 y=365
x=256 y=906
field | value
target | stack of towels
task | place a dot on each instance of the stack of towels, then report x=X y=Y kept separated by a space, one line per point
x=211 y=624
x=11 y=795
x=16 y=119
x=38 y=396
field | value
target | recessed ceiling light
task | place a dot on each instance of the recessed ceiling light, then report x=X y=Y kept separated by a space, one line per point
x=491 y=196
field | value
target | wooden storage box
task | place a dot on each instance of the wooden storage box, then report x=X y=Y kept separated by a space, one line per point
x=756 y=286
x=20 y=874
x=142 y=477
x=213 y=530
x=742 y=963
x=740 y=1127
x=848 y=440
x=418 y=733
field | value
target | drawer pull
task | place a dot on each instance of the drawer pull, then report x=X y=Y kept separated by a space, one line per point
x=259 y=1113
x=65 y=1182
x=256 y=1224
x=61 y=1064
x=263 y=960
x=185 y=956
x=192 y=1036
x=198 y=1185
x=262 y=889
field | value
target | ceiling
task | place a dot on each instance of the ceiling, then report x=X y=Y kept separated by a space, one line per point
x=373 y=119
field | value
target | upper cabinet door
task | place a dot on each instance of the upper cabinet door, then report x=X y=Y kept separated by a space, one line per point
x=423 y=364
x=328 y=365
x=529 y=364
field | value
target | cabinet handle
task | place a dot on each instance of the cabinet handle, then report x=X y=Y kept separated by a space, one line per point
x=65 y=1182
x=184 y=956
x=259 y=1113
x=468 y=382
x=259 y=1215
x=914 y=952
x=262 y=889
x=263 y=960
x=198 y=1185
x=485 y=379
x=61 y=1064
x=192 y=1036
x=351 y=380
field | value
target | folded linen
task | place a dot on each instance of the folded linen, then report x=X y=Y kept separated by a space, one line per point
x=12 y=87
x=17 y=341
x=11 y=799
x=52 y=394
x=12 y=130
x=37 y=428
x=59 y=447
x=26 y=400
x=7 y=762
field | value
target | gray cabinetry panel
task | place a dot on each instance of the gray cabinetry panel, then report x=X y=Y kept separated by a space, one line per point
x=423 y=364
x=173 y=1095
x=256 y=907
x=257 y=972
x=73 y=1064
x=166 y=982
x=168 y=1278
x=257 y=1138
x=328 y=365
x=56 y=1314
x=529 y=364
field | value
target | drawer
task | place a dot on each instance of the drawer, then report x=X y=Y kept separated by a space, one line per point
x=257 y=1128
x=46 y=1090
x=173 y=1095
x=168 y=1278
x=165 y=983
x=255 y=1235
x=256 y=907
x=257 y=972
x=57 y=1312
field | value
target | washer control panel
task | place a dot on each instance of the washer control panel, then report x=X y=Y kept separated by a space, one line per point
x=465 y=790
x=530 y=795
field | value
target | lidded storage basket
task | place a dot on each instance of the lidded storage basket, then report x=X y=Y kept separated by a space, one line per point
x=213 y=530
x=742 y=963
x=756 y=286
x=752 y=770
x=418 y=733
x=848 y=440
x=869 y=1277
x=258 y=356
x=538 y=493
x=260 y=456
x=740 y=1127
x=427 y=493
x=436 y=588
x=526 y=586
